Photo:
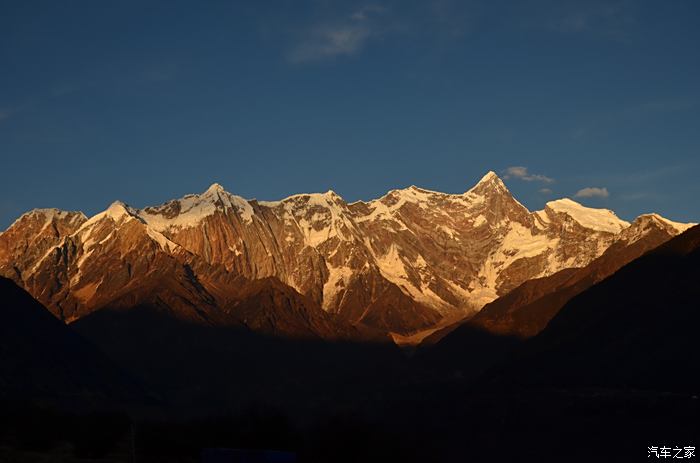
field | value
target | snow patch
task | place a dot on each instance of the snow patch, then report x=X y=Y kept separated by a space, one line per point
x=164 y=243
x=48 y=215
x=392 y=267
x=193 y=209
x=117 y=212
x=603 y=220
x=479 y=221
x=678 y=226
x=318 y=216
x=338 y=280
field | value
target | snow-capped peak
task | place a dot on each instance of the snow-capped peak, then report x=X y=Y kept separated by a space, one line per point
x=48 y=215
x=678 y=226
x=118 y=207
x=595 y=219
x=215 y=188
x=489 y=182
x=192 y=209
x=327 y=199
x=489 y=176
x=116 y=211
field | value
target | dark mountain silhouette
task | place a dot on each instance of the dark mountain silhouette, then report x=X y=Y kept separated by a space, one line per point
x=635 y=330
x=42 y=358
x=196 y=366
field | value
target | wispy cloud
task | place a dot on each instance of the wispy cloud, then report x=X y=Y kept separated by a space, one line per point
x=592 y=192
x=545 y=191
x=337 y=38
x=521 y=173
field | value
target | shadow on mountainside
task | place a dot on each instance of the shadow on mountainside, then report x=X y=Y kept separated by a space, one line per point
x=43 y=359
x=636 y=330
x=211 y=368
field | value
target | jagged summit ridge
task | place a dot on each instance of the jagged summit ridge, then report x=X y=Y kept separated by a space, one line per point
x=678 y=226
x=412 y=251
x=192 y=209
x=48 y=216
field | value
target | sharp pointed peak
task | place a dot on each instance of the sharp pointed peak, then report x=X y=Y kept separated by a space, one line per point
x=118 y=205
x=489 y=176
x=118 y=209
x=215 y=188
x=490 y=181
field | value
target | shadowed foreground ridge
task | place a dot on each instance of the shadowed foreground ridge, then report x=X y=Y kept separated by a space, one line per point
x=41 y=357
x=210 y=368
x=628 y=332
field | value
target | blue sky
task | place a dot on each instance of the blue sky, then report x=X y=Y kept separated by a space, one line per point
x=147 y=101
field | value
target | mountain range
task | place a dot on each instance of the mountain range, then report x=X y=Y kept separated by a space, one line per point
x=289 y=323
x=404 y=266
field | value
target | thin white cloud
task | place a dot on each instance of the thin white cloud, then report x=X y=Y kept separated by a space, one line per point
x=546 y=191
x=521 y=173
x=592 y=192
x=341 y=38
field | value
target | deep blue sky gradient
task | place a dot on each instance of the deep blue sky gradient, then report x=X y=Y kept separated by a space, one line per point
x=147 y=101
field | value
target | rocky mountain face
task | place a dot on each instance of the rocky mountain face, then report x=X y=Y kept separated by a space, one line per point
x=400 y=264
x=525 y=311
